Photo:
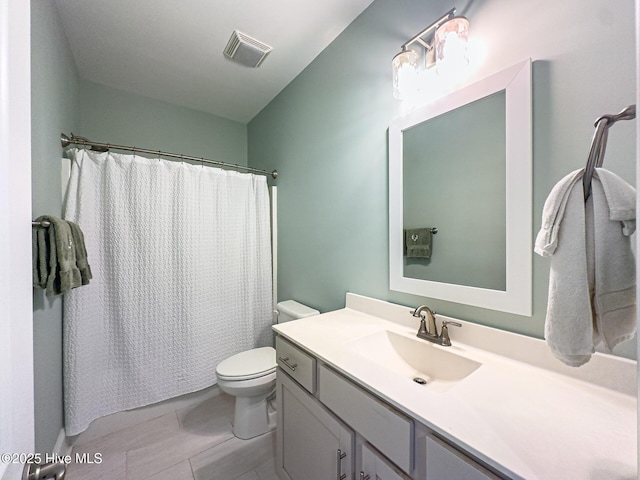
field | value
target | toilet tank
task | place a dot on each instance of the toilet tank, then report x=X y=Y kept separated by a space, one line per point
x=291 y=310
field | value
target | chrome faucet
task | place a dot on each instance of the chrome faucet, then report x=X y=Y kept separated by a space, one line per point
x=429 y=331
x=426 y=330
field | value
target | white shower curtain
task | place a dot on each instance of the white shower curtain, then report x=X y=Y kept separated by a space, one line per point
x=181 y=262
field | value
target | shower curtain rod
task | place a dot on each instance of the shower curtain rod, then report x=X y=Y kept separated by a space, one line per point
x=66 y=140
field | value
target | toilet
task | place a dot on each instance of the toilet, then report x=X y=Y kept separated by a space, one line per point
x=250 y=376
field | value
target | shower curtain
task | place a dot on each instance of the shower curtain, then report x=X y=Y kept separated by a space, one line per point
x=182 y=279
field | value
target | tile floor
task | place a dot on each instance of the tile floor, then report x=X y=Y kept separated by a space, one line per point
x=191 y=443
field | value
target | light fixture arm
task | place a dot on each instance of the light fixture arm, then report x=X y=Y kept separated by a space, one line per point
x=418 y=38
x=426 y=45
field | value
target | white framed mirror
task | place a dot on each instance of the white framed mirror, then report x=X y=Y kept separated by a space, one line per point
x=463 y=165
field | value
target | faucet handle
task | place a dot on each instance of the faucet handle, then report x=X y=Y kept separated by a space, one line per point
x=448 y=322
x=444 y=332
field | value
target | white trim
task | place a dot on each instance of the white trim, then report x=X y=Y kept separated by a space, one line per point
x=274 y=250
x=16 y=310
x=62 y=446
x=638 y=210
x=518 y=295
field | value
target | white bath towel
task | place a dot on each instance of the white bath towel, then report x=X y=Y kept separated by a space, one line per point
x=592 y=278
x=615 y=283
x=553 y=212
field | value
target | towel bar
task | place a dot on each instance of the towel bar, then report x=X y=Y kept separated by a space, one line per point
x=42 y=223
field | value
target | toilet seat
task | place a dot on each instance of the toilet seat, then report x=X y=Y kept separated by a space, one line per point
x=248 y=365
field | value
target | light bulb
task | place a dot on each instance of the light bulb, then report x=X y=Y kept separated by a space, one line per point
x=405 y=74
x=451 y=40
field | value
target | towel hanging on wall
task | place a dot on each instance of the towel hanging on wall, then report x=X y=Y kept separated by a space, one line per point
x=59 y=256
x=592 y=278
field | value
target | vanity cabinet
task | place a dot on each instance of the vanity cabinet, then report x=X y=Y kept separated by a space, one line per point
x=312 y=443
x=323 y=415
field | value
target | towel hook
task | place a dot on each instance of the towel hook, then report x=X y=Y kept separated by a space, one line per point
x=599 y=144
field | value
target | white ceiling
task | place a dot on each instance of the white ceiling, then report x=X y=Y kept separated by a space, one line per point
x=172 y=50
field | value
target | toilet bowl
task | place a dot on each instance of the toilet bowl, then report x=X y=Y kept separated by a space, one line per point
x=250 y=376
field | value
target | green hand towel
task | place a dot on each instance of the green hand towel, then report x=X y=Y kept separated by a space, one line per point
x=52 y=285
x=34 y=257
x=62 y=272
x=40 y=249
x=81 y=253
x=418 y=242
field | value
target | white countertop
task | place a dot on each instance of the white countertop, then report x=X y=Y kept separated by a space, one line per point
x=526 y=421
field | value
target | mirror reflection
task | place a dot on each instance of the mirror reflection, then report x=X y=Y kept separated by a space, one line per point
x=454 y=181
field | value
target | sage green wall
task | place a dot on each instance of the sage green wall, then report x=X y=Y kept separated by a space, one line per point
x=326 y=133
x=115 y=116
x=54 y=108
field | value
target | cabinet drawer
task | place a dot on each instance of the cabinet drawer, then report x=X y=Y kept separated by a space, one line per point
x=388 y=430
x=445 y=462
x=298 y=364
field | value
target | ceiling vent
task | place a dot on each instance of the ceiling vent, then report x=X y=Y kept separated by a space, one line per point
x=246 y=50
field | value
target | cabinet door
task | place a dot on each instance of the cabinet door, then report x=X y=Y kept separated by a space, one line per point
x=312 y=444
x=376 y=467
x=446 y=463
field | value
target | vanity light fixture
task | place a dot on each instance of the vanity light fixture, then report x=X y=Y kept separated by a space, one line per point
x=444 y=44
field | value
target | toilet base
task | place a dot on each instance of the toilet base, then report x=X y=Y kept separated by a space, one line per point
x=252 y=417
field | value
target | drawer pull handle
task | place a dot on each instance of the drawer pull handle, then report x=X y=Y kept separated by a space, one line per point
x=363 y=476
x=285 y=360
x=339 y=457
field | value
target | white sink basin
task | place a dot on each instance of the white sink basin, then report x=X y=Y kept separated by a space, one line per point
x=414 y=357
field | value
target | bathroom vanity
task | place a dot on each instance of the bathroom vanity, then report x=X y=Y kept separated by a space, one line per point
x=360 y=397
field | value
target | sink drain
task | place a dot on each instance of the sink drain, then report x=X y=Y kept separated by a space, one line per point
x=420 y=381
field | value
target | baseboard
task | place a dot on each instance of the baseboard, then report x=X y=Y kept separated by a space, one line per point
x=63 y=446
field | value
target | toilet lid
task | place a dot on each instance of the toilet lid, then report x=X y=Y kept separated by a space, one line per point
x=249 y=364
